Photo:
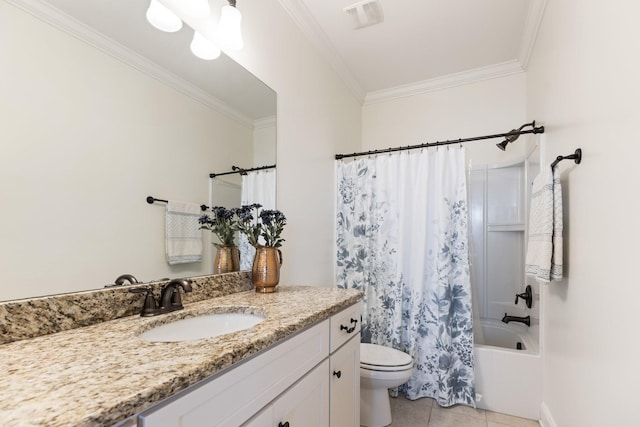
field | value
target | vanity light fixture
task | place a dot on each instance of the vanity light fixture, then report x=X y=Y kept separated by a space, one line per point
x=208 y=39
x=162 y=18
x=196 y=8
x=229 y=31
x=204 y=48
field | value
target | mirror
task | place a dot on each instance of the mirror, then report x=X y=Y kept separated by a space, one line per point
x=101 y=111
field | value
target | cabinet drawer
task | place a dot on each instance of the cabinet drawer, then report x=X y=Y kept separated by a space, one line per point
x=345 y=325
x=232 y=398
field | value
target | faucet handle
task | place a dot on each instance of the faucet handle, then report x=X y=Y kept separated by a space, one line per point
x=150 y=306
x=176 y=299
x=527 y=296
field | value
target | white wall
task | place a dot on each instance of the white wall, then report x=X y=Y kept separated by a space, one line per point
x=486 y=107
x=264 y=142
x=85 y=138
x=317 y=118
x=583 y=81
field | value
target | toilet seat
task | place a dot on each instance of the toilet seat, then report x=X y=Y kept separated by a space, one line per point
x=379 y=358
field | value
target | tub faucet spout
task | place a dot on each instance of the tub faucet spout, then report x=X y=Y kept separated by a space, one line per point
x=526 y=320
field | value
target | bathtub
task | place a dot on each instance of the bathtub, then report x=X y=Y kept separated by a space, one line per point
x=508 y=380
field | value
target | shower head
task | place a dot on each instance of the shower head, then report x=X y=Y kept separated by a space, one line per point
x=503 y=145
x=512 y=135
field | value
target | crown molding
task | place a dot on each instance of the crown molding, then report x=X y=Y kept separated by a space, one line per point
x=304 y=20
x=49 y=14
x=264 y=123
x=531 y=27
x=445 y=82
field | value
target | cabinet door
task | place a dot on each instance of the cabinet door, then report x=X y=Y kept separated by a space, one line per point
x=263 y=418
x=306 y=403
x=345 y=384
x=237 y=394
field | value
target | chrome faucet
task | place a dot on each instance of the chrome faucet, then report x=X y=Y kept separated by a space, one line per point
x=526 y=320
x=170 y=299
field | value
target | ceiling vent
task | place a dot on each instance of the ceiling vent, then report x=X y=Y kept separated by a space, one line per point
x=365 y=13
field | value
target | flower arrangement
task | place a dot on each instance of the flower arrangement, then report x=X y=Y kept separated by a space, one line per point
x=266 y=223
x=222 y=222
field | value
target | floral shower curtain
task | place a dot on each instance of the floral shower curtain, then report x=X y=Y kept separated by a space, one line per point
x=402 y=239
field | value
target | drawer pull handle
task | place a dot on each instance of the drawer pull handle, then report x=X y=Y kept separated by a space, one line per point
x=351 y=329
x=285 y=424
x=337 y=374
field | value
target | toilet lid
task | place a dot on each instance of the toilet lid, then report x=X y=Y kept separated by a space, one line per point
x=380 y=358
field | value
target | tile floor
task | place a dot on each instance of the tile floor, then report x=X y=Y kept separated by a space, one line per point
x=426 y=413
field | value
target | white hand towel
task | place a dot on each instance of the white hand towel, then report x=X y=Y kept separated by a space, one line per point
x=544 y=249
x=183 y=234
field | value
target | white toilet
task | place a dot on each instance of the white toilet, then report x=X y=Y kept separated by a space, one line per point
x=381 y=368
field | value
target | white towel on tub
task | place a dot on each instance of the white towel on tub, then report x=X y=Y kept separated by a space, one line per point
x=544 y=248
x=183 y=234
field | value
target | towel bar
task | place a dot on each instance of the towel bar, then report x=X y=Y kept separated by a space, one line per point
x=150 y=200
x=576 y=157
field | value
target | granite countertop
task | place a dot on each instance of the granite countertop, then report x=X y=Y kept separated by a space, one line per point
x=104 y=373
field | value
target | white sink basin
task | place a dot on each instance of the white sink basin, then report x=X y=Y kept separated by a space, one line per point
x=205 y=326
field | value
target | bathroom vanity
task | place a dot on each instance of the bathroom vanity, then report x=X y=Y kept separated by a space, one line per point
x=300 y=363
x=310 y=379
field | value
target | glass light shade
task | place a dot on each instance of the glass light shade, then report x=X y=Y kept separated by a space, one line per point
x=229 y=33
x=196 y=8
x=204 y=48
x=162 y=18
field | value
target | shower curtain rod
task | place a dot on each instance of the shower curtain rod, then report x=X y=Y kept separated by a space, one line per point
x=510 y=134
x=241 y=171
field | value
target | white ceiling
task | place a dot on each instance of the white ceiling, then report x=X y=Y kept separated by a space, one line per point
x=421 y=44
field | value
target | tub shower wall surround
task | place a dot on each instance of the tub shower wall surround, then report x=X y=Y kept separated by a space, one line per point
x=103 y=374
x=509 y=380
